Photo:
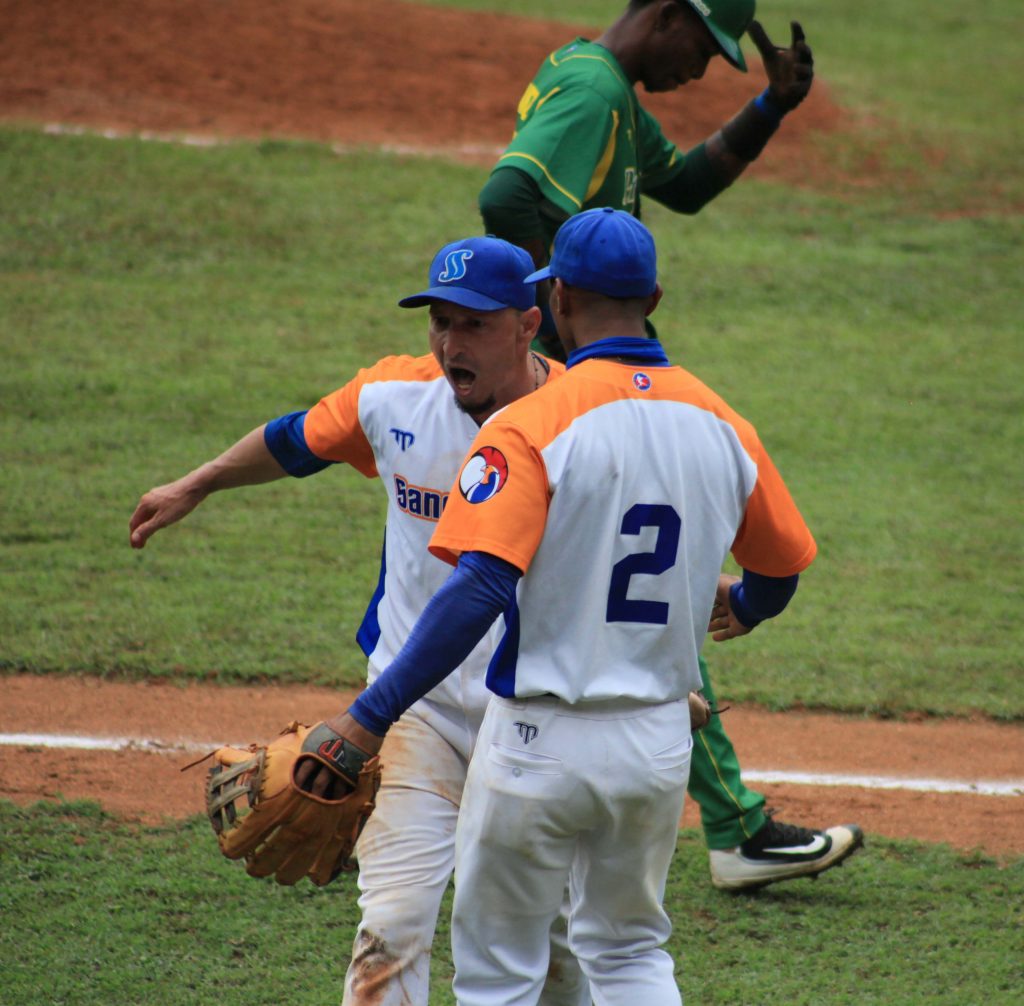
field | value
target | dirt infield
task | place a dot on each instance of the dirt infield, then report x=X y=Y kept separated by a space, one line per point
x=148 y=786
x=428 y=79
x=329 y=70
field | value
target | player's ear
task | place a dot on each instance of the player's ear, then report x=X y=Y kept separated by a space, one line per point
x=654 y=300
x=666 y=13
x=529 y=322
x=560 y=298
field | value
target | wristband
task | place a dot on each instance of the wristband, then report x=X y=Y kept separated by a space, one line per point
x=738 y=603
x=768 y=107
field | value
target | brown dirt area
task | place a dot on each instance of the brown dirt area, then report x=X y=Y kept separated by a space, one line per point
x=338 y=71
x=432 y=79
x=148 y=786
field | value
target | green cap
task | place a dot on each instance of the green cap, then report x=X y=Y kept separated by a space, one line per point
x=727 y=20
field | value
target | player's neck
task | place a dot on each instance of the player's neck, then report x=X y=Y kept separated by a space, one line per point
x=621 y=40
x=531 y=376
x=610 y=331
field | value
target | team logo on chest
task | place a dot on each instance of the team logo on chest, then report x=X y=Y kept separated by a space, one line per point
x=641 y=381
x=483 y=475
x=404 y=438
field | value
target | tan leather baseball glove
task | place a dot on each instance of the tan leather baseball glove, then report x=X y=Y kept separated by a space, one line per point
x=261 y=815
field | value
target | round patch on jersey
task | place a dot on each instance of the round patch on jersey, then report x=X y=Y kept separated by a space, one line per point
x=483 y=475
x=641 y=381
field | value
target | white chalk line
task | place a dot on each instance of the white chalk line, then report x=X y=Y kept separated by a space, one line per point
x=342 y=149
x=977 y=787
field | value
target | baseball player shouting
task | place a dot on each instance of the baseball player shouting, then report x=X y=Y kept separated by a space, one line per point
x=408 y=422
x=583 y=140
x=616 y=493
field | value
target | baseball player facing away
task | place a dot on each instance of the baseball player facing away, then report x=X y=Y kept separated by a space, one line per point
x=583 y=140
x=595 y=516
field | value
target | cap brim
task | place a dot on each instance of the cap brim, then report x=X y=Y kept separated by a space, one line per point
x=454 y=295
x=730 y=47
x=536 y=277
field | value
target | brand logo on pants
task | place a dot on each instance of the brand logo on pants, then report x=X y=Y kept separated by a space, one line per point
x=527 y=731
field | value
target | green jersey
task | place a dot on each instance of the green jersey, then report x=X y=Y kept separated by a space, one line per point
x=584 y=138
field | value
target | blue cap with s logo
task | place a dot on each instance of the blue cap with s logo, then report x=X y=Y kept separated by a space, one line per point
x=482 y=274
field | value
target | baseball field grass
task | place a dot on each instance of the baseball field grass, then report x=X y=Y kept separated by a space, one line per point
x=158 y=301
x=100 y=912
x=151 y=322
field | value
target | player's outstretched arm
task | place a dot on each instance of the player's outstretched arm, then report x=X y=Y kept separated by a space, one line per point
x=247 y=462
x=455 y=619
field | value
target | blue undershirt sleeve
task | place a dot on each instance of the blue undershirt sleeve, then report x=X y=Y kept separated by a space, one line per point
x=757 y=597
x=453 y=622
x=286 y=440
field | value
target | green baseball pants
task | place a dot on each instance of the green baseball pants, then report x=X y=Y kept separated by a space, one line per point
x=729 y=812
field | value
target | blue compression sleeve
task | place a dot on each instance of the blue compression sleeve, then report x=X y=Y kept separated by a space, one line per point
x=452 y=623
x=758 y=597
x=286 y=440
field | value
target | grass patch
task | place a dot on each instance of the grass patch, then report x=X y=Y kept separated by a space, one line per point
x=99 y=911
x=151 y=322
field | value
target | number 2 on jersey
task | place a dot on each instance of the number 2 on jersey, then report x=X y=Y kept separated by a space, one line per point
x=666 y=520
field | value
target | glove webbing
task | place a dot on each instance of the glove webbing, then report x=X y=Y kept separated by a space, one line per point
x=223 y=789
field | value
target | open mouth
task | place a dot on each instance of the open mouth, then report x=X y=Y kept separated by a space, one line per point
x=462 y=379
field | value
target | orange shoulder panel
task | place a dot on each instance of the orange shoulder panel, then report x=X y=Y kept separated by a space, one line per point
x=332 y=428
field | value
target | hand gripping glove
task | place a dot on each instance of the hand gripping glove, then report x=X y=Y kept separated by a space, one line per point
x=700 y=710
x=288 y=833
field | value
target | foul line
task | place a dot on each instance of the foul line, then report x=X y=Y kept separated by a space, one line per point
x=474 y=150
x=75 y=742
x=979 y=787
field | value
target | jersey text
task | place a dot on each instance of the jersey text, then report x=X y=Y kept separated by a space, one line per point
x=427 y=504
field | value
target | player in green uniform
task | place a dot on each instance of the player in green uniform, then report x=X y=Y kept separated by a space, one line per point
x=583 y=140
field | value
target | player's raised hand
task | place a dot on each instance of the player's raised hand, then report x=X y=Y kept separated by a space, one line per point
x=790 y=71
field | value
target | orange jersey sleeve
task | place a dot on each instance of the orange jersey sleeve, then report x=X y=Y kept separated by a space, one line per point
x=773 y=539
x=499 y=504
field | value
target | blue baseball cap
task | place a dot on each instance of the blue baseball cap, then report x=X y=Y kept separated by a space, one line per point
x=604 y=250
x=483 y=274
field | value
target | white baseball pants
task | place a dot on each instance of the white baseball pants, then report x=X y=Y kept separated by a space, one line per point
x=406 y=856
x=588 y=795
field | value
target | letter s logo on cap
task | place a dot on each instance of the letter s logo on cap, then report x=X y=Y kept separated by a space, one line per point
x=455 y=265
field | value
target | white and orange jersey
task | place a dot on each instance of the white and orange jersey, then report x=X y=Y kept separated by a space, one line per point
x=619 y=490
x=398 y=420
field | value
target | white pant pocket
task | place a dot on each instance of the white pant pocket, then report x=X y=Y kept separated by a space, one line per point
x=523 y=761
x=675 y=755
